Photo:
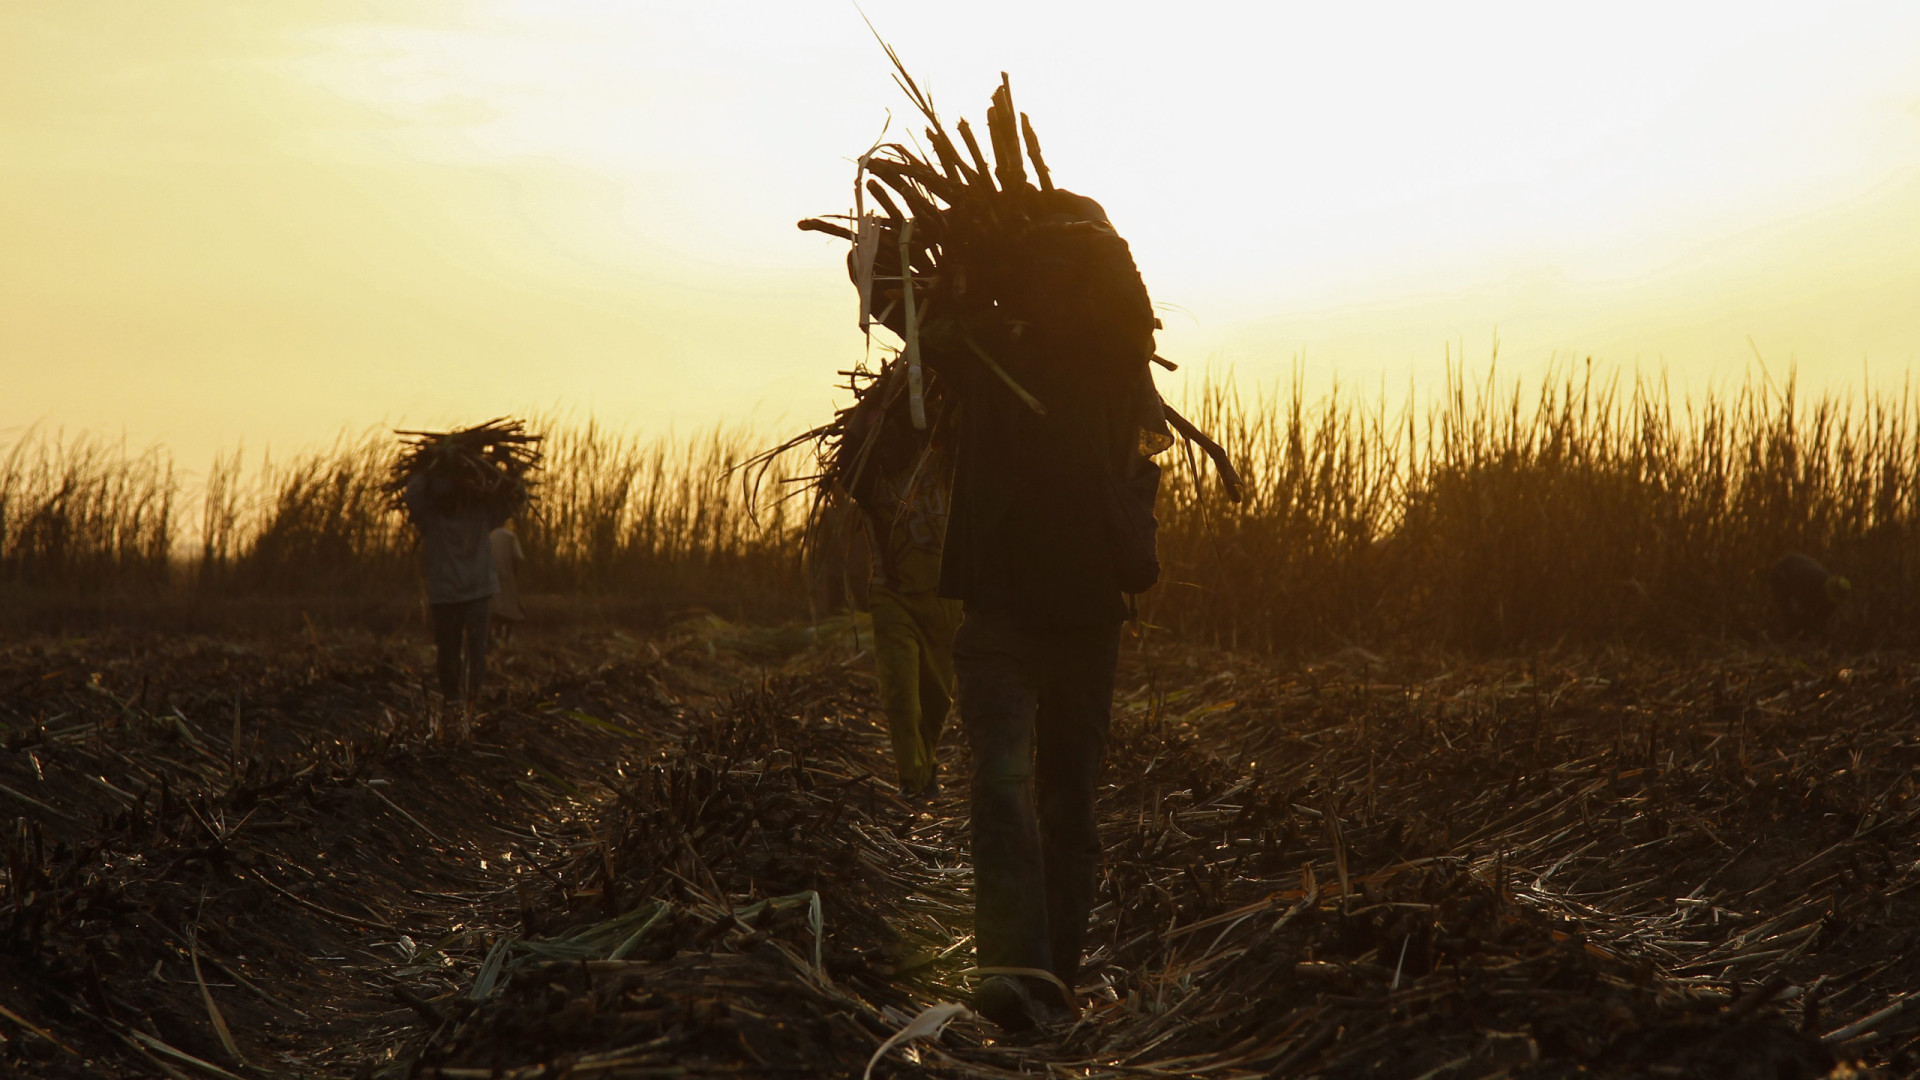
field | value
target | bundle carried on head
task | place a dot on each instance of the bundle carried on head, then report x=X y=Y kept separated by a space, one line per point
x=988 y=268
x=487 y=463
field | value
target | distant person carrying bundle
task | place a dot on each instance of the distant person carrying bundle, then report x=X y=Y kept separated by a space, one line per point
x=456 y=487
x=1806 y=594
x=900 y=485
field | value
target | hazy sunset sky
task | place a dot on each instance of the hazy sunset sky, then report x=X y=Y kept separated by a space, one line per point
x=269 y=221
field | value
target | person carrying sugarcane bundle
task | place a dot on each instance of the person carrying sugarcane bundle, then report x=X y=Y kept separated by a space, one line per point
x=456 y=488
x=1052 y=527
x=1025 y=308
x=898 y=479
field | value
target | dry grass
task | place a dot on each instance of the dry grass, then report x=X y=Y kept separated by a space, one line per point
x=84 y=515
x=1591 y=508
x=659 y=522
x=321 y=523
x=665 y=520
x=1587 y=508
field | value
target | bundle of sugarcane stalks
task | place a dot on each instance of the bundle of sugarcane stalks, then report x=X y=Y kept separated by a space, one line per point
x=987 y=268
x=488 y=462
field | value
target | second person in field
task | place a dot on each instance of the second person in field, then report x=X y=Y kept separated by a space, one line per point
x=900 y=484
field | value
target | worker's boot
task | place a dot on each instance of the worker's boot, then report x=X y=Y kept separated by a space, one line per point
x=1009 y=1002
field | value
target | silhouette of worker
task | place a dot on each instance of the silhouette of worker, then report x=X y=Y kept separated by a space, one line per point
x=900 y=483
x=455 y=533
x=1050 y=529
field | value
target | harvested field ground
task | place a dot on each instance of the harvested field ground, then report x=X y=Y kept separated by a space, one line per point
x=679 y=855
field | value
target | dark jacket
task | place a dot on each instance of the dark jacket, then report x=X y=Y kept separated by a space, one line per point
x=1042 y=503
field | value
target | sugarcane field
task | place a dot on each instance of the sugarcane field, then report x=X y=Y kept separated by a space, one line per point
x=948 y=656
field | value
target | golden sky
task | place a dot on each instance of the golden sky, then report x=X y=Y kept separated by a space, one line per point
x=227 y=220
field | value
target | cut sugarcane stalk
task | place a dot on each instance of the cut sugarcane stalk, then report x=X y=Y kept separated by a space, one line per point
x=1018 y=390
x=1003 y=131
x=979 y=160
x=827 y=227
x=866 y=245
x=916 y=396
x=1229 y=477
x=866 y=242
x=1033 y=152
x=893 y=211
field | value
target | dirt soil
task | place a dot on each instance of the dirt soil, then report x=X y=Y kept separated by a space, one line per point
x=680 y=854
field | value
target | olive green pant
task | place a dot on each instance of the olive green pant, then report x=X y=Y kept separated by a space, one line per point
x=913 y=660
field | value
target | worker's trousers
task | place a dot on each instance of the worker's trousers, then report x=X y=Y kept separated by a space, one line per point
x=913 y=662
x=1036 y=704
x=460 y=646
